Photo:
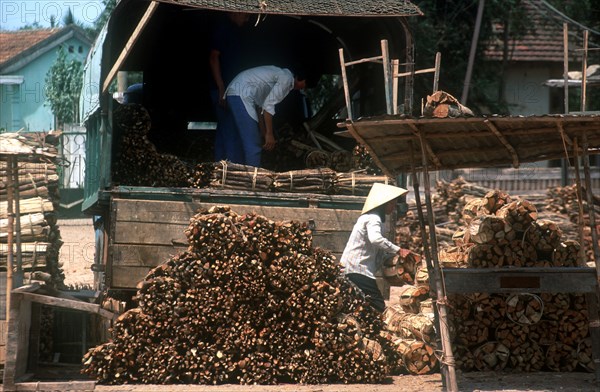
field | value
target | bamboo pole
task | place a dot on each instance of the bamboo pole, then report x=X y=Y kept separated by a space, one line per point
x=11 y=230
x=447 y=362
x=583 y=71
x=19 y=270
x=580 y=222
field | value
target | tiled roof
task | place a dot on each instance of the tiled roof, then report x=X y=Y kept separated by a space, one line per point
x=13 y=43
x=543 y=41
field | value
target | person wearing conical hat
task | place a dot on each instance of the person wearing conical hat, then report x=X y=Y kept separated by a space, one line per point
x=364 y=253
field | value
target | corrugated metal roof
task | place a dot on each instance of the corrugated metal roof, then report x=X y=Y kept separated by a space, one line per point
x=319 y=7
x=473 y=141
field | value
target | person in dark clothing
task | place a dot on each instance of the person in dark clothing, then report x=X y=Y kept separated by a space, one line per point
x=225 y=62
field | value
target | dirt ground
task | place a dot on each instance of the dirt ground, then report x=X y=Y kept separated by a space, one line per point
x=77 y=255
x=77 y=251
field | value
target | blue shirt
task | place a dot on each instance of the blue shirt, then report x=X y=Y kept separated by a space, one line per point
x=366 y=247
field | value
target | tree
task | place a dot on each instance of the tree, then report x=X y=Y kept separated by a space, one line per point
x=63 y=85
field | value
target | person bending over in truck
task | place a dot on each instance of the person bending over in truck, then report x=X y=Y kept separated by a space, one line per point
x=364 y=253
x=224 y=62
x=251 y=99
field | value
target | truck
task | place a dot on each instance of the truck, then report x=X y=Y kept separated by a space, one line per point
x=163 y=44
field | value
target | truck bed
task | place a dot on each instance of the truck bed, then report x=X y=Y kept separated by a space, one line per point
x=147 y=224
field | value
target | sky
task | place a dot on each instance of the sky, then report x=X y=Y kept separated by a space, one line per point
x=15 y=14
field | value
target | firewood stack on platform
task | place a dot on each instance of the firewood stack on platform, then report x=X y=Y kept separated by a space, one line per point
x=250 y=301
x=38 y=199
x=523 y=331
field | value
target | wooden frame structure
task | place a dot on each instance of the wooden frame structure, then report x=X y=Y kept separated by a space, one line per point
x=396 y=143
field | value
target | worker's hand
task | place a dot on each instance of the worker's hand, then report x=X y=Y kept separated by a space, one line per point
x=222 y=100
x=403 y=252
x=269 y=141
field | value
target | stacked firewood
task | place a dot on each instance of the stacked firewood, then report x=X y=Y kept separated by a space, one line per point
x=502 y=330
x=139 y=163
x=228 y=175
x=364 y=161
x=250 y=302
x=37 y=188
x=481 y=227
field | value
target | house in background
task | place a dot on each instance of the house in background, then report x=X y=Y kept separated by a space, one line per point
x=25 y=58
x=536 y=57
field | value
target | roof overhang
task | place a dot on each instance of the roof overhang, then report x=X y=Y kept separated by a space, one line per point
x=473 y=142
x=322 y=7
x=11 y=79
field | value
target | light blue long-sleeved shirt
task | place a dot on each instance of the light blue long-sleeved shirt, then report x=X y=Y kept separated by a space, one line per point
x=366 y=246
x=262 y=87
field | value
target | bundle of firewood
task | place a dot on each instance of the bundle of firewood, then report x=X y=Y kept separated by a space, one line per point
x=440 y=104
x=36 y=184
x=522 y=331
x=250 y=301
x=228 y=175
x=364 y=161
x=138 y=162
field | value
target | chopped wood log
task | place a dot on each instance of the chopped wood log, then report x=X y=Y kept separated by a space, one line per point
x=491 y=356
x=573 y=327
x=585 y=355
x=408 y=325
x=489 y=309
x=544 y=235
x=402 y=270
x=555 y=305
x=489 y=229
x=409 y=297
x=440 y=104
x=471 y=333
x=566 y=254
x=511 y=334
x=527 y=357
x=524 y=308
x=417 y=357
x=561 y=357
x=544 y=333
x=519 y=214
x=463 y=357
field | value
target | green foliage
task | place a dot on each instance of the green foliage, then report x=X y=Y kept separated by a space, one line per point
x=63 y=85
x=109 y=5
x=447 y=27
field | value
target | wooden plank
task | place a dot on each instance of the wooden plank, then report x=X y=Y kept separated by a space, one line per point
x=531 y=280
x=181 y=212
x=17 y=345
x=132 y=40
x=158 y=233
x=56 y=386
x=127 y=277
x=142 y=255
x=172 y=235
x=68 y=303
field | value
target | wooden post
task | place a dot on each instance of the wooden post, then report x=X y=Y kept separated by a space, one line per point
x=592 y=299
x=467 y=83
x=18 y=276
x=583 y=71
x=580 y=222
x=566 y=67
x=345 y=83
x=395 y=65
x=10 y=234
x=447 y=362
x=385 y=59
x=436 y=74
x=564 y=170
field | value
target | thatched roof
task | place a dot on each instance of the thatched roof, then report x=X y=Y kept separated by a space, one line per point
x=318 y=7
x=472 y=142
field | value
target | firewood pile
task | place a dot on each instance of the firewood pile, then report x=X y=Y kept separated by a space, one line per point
x=228 y=175
x=364 y=161
x=482 y=228
x=138 y=162
x=38 y=199
x=249 y=302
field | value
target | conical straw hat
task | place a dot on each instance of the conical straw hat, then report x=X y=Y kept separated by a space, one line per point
x=381 y=194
